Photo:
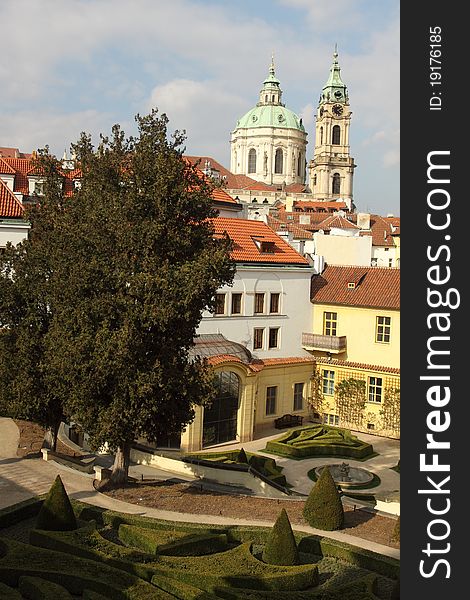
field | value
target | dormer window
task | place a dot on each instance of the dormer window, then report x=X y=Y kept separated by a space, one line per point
x=351 y=285
x=267 y=247
x=264 y=246
x=77 y=184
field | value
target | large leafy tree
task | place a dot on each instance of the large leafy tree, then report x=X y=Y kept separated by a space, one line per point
x=27 y=388
x=133 y=261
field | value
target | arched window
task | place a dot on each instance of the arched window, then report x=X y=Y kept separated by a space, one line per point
x=321 y=136
x=278 y=161
x=252 y=161
x=220 y=418
x=336 y=187
x=266 y=98
x=336 y=135
x=273 y=98
x=315 y=179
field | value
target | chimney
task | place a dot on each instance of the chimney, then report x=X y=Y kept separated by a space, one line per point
x=363 y=220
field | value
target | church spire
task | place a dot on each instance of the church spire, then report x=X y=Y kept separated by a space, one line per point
x=334 y=89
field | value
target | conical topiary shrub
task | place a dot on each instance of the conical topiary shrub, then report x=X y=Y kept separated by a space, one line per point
x=242 y=457
x=56 y=513
x=323 y=508
x=281 y=547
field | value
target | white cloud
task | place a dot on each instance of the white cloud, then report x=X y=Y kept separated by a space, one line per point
x=29 y=130
x=203 y=109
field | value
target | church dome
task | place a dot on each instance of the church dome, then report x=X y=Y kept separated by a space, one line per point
x=270 y=115
x=270 y=111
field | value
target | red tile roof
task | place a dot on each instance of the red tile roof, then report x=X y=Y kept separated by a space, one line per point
x=241 y=182
x=314 y=206
x=297 y=231
x=10 y=206
x=337 y=222
x=346 y=363
x=374 y=287
x=257 y=365
x=243 y=233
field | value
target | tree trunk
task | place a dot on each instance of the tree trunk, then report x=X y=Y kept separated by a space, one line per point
x=120 y=470
x=50 y=439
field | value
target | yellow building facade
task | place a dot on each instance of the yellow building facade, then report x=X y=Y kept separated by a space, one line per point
x=355 y=340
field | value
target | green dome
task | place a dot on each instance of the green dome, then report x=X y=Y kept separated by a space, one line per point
x=270 y=115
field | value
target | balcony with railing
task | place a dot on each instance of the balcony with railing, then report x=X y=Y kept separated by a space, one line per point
x=326 y=343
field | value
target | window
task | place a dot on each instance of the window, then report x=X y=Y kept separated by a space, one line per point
x=258 y=335
x=274 y=303
x=382 y=329
x=236 y=304
x=278 y=161
x=330 y=419
x=328 y=382
x=220 y=304
x=259 y=303
x=273 y=337
x=336 y=184
x=375 y=389
x=252 y=161
x=321 y=136
x=330 y=321
x=390 y=262
x=298 y=396
x=271 y=393
x=336 y=135
x=39 y=188
x=299 y=165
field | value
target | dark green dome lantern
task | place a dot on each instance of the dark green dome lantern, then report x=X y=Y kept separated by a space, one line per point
x=334 y=89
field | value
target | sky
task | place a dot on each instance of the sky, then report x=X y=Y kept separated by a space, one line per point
x=69 y=66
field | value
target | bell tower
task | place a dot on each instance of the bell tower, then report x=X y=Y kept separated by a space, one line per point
x=331 y=170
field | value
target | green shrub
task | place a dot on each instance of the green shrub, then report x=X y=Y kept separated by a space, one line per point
x=171 y=542
x=319 y=440
x=181 y=590
x=20 y=511
x=323 y=508
x=8 y=593
x=75 y=574
x=35 y=588
x=91 y=595
x=395 y=595
x=56 y=513
x=236 y=568
x=281 y=548
x=242 y=458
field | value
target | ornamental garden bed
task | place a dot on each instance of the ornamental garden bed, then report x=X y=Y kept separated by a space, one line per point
x=120 y=556
x=320 y=440
x=264 y=465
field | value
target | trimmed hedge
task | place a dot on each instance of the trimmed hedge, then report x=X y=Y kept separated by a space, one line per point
x=281 y=547
x=171 y=543
x=323 y=508
x=310 y=544
x=8 y=593
x=237 y=568
x=56 y=513
x=75 y=574
x=35 y=588
x=91 y=595
x=20 y=511
x=359 y=557
x=181 y=590
x=319 y=440
x=91 y=545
